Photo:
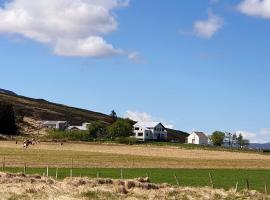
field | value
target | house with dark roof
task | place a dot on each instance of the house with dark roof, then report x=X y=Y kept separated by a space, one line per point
x=197 y=137
x=150 y=131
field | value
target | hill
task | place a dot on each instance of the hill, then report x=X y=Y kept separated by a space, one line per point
x=33 y=110
x=259 y=146
x=7 y=92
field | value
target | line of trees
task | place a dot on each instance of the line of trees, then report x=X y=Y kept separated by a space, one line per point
x=217 y=138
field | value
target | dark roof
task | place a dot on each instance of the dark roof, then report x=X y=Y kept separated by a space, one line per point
x=201 y=134
x=177 y=135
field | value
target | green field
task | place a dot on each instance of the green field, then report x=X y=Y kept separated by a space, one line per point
x=222 y=178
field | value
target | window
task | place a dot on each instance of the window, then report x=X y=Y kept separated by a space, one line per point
x=140 y=134
x=146 y=134
x=137 y=128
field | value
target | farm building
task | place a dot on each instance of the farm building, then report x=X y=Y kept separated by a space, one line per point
x=197 y=138
x=83 y=127
x=150 y=131
x=58 y=125
x=176 y=136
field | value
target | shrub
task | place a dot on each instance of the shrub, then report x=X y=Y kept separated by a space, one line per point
x=120 y=128
x=70 y=135
x=97 y=130
x=7 y=119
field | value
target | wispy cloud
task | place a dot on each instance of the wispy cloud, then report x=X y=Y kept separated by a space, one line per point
x=259 y=8
x=143 y=116
x=262 y=136
x=209 y=27
x=71 y=28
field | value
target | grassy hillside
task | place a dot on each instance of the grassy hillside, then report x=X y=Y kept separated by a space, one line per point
x=40 y=109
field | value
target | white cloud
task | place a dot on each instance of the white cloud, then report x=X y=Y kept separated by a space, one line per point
x=265 y=132
x=136 y=58
x=70 y=27
x=207 y=28
x=143 y=116
x=262 y=136
x=260 y=8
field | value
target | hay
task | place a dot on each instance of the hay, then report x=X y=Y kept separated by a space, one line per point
x=37 y=187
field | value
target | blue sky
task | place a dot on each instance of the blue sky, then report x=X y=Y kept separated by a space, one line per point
x=196 y=65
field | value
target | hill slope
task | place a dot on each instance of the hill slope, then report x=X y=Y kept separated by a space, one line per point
x=39 y=109
x=34 y=110
x=7 y=92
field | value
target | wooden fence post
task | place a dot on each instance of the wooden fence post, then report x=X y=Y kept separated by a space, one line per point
x=4 y=163
x=122 y=177
x=247 y=184
x=236 y=187
x=24 y=168
x=211 y=180
x=176 y=180
x=56 y=174
x=47 y=172
x=71 y=173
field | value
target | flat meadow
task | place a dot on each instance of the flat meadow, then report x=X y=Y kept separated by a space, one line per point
x=163 y=164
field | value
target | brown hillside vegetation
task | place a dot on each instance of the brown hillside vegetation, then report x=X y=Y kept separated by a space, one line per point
x=39 y=109
x=20 y=186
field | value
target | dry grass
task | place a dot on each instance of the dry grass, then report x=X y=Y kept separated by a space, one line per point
x=88 y=155
x=18 y=186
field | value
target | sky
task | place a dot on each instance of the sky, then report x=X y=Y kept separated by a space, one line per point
x=193 y=65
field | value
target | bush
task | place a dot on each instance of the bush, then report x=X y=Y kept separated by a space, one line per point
x=120 y=128
x=97 y=130
x=126 y=140
x=70 y=135
x=217 y=138
x=7 y=119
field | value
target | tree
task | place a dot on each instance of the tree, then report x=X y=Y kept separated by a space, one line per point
x=120 y=128
x=113 y=115
x=217 y=138
x=246 y=142
x=234 y=139
x=240 y=140
x=97 y=129
x=7 y=119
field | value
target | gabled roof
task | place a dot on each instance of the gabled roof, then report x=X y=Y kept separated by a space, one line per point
x=200 y=134
x=53 y=122
x=148 y=124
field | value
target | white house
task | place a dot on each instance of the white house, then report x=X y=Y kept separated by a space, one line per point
x=150 y=131
x=58 y=125
x=197 y=138
x=83 y=127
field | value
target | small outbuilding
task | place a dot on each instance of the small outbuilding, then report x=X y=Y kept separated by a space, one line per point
x=57 y=125
x=197 y=138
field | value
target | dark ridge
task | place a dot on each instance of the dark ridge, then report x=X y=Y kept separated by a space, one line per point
x=41 y=109
x=7 y=92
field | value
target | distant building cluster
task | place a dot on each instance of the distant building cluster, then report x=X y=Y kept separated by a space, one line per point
x=148 y=131
x=64 y=126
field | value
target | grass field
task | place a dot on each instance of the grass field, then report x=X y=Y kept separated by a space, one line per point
x=191 y=166
x=90 y=155
x=222 y=178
